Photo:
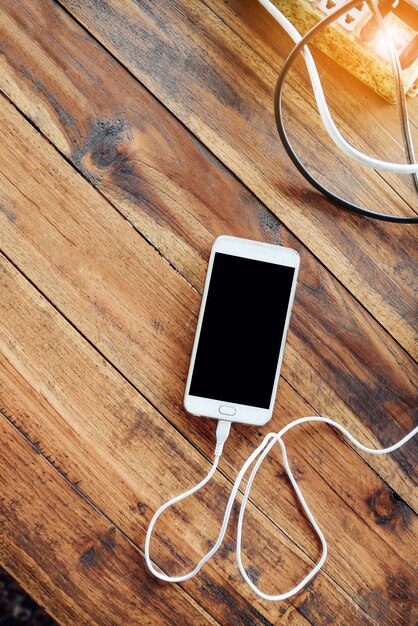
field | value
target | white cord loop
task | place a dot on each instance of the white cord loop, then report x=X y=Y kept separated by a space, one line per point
x=261 y=452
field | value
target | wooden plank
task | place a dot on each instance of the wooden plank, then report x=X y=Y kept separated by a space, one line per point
x=179 y=213
x=70 y=558
x=99 y=432
x=210 y=79
x=58 y=394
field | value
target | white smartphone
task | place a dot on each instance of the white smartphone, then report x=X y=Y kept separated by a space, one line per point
x=241 y=331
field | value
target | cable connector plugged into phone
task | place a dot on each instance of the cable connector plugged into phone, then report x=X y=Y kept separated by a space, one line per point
x=222 y=434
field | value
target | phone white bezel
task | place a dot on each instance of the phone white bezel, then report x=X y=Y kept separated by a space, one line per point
x=246 y=248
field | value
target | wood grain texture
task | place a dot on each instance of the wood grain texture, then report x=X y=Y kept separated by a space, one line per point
x=73 y=560
x=47 y=359
x=222 y=91
x=119 y=149
x=97 y=430
x=66 y=425
x=99 y=393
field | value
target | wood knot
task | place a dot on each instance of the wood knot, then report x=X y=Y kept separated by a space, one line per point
x=387 y=507
x=103 y=147
x=105 y=155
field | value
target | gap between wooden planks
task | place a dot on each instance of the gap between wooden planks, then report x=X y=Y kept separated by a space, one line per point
x=63 y=226
x=79 y=410
x=135 y=161
x=221 y=90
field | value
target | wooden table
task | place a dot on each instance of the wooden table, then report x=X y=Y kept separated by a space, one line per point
x=133 y=133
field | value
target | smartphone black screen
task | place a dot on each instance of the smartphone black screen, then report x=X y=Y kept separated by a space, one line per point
x=242 y=331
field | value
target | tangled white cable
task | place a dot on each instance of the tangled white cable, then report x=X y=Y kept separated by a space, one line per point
x=261 y=452
x=329 y=124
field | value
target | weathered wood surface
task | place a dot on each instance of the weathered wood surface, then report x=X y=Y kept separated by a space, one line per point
x=80 y=433
x=76 y=422
x=106 y=408
x=71 y=557
x=222 y=90
x=75 y=230
x=172 y=202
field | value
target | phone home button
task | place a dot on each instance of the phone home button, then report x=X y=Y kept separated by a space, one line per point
x=227 y=410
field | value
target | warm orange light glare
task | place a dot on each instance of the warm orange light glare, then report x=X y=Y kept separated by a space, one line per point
x=400 y=33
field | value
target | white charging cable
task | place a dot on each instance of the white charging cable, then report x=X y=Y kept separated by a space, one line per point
x=329 y=124
x=261 y=452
